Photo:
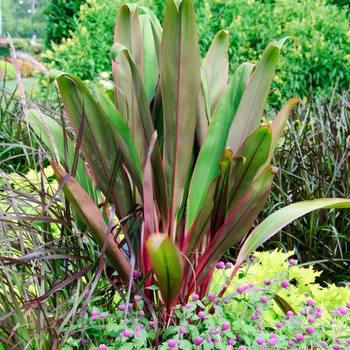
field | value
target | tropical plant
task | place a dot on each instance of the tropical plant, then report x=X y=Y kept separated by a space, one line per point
x=176 y=151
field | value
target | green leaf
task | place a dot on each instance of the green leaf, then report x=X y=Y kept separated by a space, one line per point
x=207 y=166
x=280 y=219
x=92 y=217
x=123 y=137
x=180 y=85
x=236 y=225
x=51 y=133
x=128 y=34
x=248 y=116
x=97 y=142
x=254 y=151
x=167 y=266
x=216 y=68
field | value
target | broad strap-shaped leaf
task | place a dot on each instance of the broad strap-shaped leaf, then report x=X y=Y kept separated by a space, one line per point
x=249 y=113
x=167 y=266
x=180 y=85
x=151 y=224
x=207 y=166
x=123 y=137
x=51 y=134
x=221 y=198
x=92 y=217
x=128 y=33
x=150 y=60
x=280 y=219
x=148 y=130
x=236 y=225
x=98 y=144
x=216 y=67
x=279 y=123
x=255 y=152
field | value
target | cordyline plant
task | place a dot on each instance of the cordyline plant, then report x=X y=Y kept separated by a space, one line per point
x=177 y=139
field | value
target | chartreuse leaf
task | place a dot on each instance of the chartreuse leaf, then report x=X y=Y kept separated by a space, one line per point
x=167 y=266
x=123 y=137
x=248 y=116
x=207 y=166
x=216 y=68
x=236 y=225
x=128 y=33
x=51 y=133
x=97 y=143
x=180 y=85
x=93 y=218
x=282 y=217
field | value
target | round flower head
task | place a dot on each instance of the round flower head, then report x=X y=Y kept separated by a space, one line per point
x=220 y=265
x=284 y=283
x=225 y=326
x=299 y=337
x=102 y=347
x=172 y=344
x=292 y=262
x=198 y=341
x=264 y=299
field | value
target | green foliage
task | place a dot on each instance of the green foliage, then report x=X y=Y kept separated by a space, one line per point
x=7 y=71
x=86 y=50
x=18 y=43
x=316 y=64
x=313 y=163
x=320 y=61
x=60 y=19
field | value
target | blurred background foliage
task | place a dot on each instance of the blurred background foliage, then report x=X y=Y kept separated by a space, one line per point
x=317 y=65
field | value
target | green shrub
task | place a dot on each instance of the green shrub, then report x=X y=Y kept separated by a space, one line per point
x=19 y=44
x=61 y=19
x=320 y=61
x=7 y=71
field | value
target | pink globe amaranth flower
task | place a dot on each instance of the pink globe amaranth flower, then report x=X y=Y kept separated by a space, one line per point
x=136 y=274
x=336 y=347
x=299 y=337
x=348 y=341
x=122 y=307
x=264 y=299
x=348 y=305
x=208 y=339
x=102 y=347
x=342 y=310
x=220 y=265
x=254 y=317
x=137 y=298
x=94 y=313
x=150 y=324
x=240 y=289
x=198 y=341
x=267 y=282
x=292 y=261
x=324 y=344
x=273 y=341
x=289 y=314
x=183 y=330
x=242 y=347
x=225 y=326
x=138 y=335
x=102 y=316
x=93 y=317
x=311 y=320
x=229 y=265
x=195 y=297
x=258 y=311
x=310 y=330
x=291 y=342
x=83 y=342
x=319 y=314
x=188 y=306
x=252 y=259
x=127 y=333
x=260 y=341
x=279 y=325
x=310 y=302
x=211 y=297
x=284 y=283
x=231 y=341
x=172 y=344
x=201 y=315
x=141 y=314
